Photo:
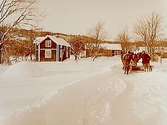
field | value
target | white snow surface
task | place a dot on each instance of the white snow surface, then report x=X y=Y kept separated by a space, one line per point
x=82 y=93
x=3 y=68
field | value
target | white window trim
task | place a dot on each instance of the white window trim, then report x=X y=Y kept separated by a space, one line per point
x=39 y=55
x=50 y=49
x=48 y=43
x=48 y=54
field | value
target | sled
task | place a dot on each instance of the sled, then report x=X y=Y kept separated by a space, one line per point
x=140 y=68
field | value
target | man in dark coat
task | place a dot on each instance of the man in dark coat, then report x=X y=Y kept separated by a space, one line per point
x=146 y=61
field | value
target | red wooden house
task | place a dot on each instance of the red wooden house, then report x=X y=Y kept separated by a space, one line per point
x=51 y=48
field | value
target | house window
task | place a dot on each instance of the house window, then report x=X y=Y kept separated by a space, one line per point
x=48 y=43
x=48 y=54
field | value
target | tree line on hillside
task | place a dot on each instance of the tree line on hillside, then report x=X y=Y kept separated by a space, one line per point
x=19 y=43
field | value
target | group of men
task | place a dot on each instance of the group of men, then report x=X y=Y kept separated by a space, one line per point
x=130 y=60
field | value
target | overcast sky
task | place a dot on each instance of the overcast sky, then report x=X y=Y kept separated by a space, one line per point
x=79 y=16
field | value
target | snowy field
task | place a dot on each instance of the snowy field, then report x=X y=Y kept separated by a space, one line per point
x=82 y=93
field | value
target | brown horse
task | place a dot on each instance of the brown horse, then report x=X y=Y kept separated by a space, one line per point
x=126 y=66
x=131 y=63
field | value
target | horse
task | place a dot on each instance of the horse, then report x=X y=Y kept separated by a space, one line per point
x=126 y=67
x=131 y=63
x=126 y=60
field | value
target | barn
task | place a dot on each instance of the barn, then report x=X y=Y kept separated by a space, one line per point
x=112 y=49
x=51 y=48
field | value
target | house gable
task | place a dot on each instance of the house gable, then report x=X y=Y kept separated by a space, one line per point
x=43 y=44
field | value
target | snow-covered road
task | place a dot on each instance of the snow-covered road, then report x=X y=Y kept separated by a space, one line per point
x=105 y=98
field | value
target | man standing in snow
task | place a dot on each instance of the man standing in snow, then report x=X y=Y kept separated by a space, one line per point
x=146 y=61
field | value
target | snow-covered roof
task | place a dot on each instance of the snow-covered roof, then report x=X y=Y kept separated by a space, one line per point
x=140 y=49
x=20 y=38
x=58 y=41
x=111 y=46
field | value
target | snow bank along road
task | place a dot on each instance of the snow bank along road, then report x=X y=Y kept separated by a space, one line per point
x=107 y=97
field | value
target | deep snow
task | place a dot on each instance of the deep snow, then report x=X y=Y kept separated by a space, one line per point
x=83 y=93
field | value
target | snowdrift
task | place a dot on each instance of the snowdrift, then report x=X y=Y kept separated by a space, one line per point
x=25 y=85
x=86 y=102
x=103 y=96
x=3 y=68
x=23 y=70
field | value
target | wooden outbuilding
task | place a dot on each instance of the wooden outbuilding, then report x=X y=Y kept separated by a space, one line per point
x=112 y=49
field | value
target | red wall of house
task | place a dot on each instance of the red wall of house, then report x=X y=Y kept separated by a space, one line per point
x=42 y=52
x=66 y=55
x=42 y=56
x=0 y=54
x=69 y=52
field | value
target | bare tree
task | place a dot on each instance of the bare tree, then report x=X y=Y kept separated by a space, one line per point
x=148 y=30
x=124 y=39
x=77 y=46
x=14 y=13
x=98 y=35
